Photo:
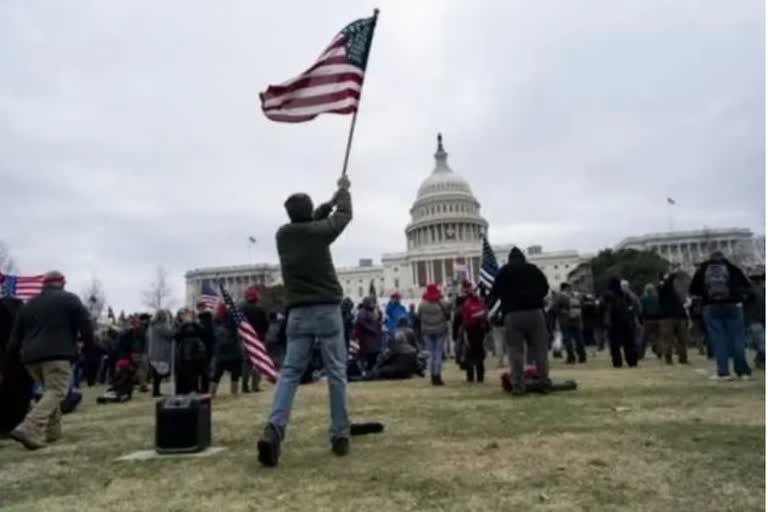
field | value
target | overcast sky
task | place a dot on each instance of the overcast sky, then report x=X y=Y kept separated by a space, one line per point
x=131 y=133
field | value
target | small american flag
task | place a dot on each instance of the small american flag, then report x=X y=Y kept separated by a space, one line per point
x=254 y=347
x=332 y=84
x=208 y=295
x=22 y=287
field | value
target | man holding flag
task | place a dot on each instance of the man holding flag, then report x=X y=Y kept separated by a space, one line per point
x=314 y=296
x=332 y=84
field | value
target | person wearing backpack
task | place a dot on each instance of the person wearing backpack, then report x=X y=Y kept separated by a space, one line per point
x=620 y=319
x=191 y=356
x=723 y=287
x=474 y=317
x=674 y=321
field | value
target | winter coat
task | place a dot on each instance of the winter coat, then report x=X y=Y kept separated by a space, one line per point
x=309 y=276
x=650 y=307
x=160 y=344
x=737 y=282
x=434 y=317
x=669 y=300
x=189 y=343
x=228 y=347
x=257 y=317
x=369 y=331
x=47 y=327
x=520 y=285
x=392 y=315
x=569 y=312
x=205 y=320
x=403 y=341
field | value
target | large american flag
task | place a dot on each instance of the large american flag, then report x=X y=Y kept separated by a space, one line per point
x=209 y=296
x=254 y=347
x=22 y=287
x=332 y=84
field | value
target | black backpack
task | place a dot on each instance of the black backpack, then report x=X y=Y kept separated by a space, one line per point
x=717 y=281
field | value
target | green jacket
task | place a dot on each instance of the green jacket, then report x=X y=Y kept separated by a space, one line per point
x=305 y=255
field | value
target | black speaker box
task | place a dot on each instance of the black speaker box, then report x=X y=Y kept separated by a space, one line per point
x=183 y=424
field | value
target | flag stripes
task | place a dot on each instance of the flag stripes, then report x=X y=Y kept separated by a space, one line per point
x=21 y=287
x=332 y=84
x=254 y=347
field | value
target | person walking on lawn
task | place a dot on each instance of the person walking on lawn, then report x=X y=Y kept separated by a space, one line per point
x=46 y=332
x=723 y=288
x=674 y=321
x=313 y=295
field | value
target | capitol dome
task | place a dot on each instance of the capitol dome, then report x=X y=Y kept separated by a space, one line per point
x=445 y=211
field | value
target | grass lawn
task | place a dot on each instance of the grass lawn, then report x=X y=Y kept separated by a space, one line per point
x=655 y=438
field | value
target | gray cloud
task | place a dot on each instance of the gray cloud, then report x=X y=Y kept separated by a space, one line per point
x=131 y=133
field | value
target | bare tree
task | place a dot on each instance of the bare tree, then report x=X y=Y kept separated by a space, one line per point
x=94 y=298
x=159 y=294
x=7 y=265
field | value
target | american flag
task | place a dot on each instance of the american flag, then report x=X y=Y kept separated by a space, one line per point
x=208 y=295
x=22 y=287
x=254 y=347
x=332 y=84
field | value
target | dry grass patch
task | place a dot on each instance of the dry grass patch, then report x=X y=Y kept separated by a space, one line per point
x=654 y=438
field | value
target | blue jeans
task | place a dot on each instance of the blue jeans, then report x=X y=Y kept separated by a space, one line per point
x=435 y=344
x=306 y=325
x=726 y=333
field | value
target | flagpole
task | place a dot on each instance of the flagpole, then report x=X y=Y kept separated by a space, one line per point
x=354 y=115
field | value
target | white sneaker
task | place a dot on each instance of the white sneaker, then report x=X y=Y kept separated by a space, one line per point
x=721 y=378
x=745 y=377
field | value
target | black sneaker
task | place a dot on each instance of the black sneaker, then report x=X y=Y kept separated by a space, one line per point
x=340 y=446
x=269 y=446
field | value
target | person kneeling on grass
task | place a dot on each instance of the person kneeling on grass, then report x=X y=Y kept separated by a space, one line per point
x=313 y=295
x=400 y=359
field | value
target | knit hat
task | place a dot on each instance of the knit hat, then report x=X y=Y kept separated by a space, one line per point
x=432 y=293
x=516 y=256
x=252 y=294
x=54 y=278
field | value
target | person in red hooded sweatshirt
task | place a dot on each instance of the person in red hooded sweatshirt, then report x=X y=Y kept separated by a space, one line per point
x=260 y=321
x=474 y=318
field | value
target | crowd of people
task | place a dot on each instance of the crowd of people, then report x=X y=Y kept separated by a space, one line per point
x=520 y=320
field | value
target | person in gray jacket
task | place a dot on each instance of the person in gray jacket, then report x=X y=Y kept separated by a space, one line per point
x=160 y=347
x=46 y=331
x=434 y=318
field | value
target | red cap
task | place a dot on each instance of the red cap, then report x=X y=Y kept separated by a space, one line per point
x=432 y=293
x=221 y=311
x=252 y=294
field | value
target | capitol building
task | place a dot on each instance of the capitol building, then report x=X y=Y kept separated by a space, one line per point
x=443 y=244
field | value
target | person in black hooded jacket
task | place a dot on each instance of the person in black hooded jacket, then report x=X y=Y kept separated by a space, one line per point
x=522 y=287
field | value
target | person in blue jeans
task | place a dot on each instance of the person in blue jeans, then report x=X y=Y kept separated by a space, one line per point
x=434 y=318
x=314 y=297
x=723 y=288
